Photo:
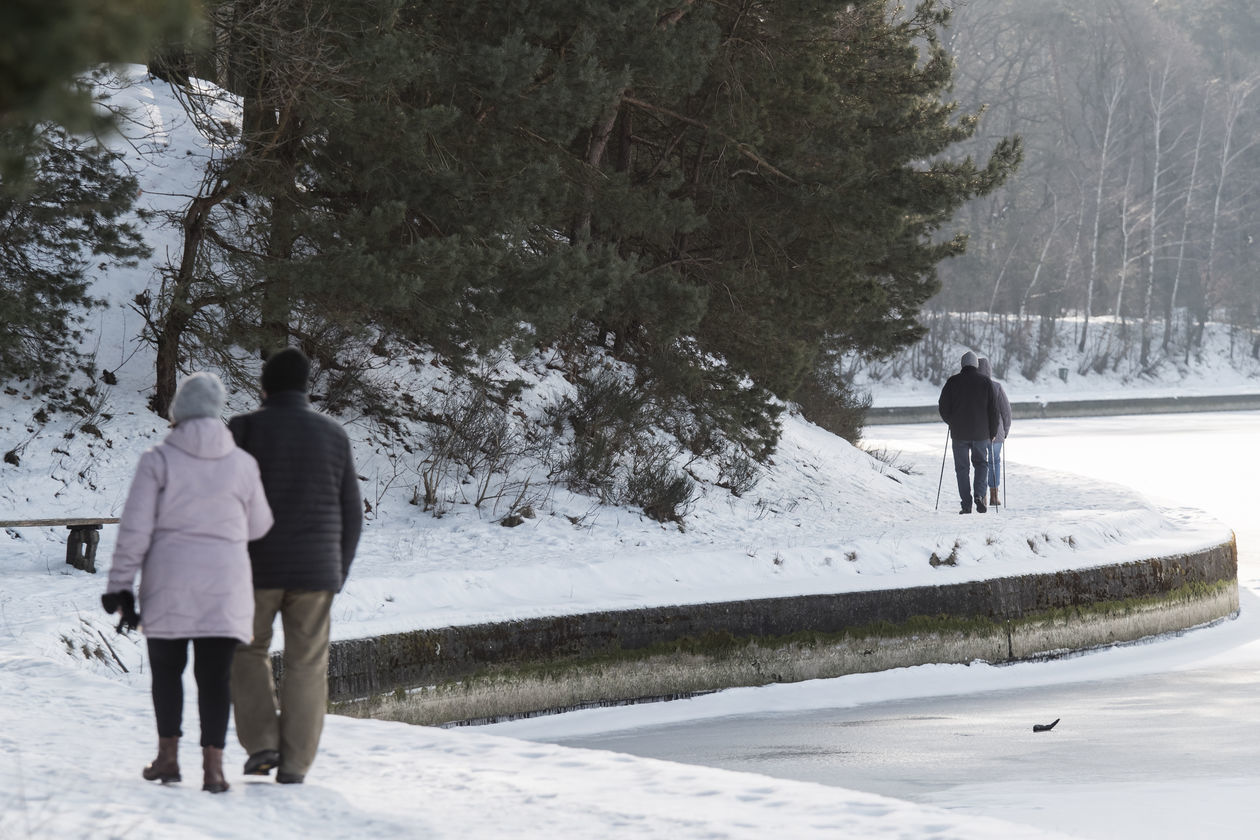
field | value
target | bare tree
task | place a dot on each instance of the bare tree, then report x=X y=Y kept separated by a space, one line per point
x=1057 y=223
x=1111 y=110
x=1231 y=153
x=1162 y=102
x=1186 y=215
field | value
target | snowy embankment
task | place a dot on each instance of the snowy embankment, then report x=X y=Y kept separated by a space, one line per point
x=826 y=517
x=75 y=721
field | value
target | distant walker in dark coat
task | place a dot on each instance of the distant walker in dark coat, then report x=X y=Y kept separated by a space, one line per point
x=1004 y=431
x=968 y=405
x=307 y=468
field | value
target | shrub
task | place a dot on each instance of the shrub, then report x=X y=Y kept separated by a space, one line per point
x=664 y=494
x=830 y=402
x=608 y=416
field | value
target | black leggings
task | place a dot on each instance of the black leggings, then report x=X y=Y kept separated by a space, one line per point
x=212 y=668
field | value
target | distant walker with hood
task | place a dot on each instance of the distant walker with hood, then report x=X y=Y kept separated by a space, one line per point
x=1004 y=430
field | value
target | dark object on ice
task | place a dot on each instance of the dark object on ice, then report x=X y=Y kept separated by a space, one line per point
x=123 y=603
x=1045 y=727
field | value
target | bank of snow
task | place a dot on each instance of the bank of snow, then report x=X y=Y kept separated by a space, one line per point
x=75 y=728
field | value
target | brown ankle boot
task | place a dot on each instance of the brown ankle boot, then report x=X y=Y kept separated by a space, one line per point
x=212 y=767
x=993 y=496
x=164 y=768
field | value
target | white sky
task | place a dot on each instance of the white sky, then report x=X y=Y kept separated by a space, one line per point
x=75 y=731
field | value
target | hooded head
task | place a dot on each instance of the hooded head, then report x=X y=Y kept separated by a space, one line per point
x=985 y=367
x=286 y=370
x=969 y=359
x=199 y=395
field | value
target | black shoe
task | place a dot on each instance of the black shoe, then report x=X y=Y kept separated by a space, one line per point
x=286 y=778
x=262 y=762
x=980 y=508
x=965 y=511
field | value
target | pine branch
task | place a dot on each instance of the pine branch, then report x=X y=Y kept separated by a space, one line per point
x=740 y=146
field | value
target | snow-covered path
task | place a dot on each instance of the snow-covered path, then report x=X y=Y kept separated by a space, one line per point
x=72 y=747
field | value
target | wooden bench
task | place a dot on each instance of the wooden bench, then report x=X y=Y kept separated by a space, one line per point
x=81 y=544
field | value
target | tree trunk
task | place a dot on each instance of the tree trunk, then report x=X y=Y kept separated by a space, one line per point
x=1171 y=309
x=181 y=304
x=1159 y=106
x=1113 y=103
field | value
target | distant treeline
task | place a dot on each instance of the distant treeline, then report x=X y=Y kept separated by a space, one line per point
x=1137 y=197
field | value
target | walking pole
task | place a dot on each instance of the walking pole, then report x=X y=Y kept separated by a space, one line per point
x=1001 y=472
x=942 y=478
x=1004 y=463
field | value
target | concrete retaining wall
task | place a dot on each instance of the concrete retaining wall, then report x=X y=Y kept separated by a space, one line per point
x=1078 y=408
x=517 y=668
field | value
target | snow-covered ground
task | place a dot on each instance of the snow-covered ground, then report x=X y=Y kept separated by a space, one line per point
x=76 y=725
x=75 y=729
x=1149 y=747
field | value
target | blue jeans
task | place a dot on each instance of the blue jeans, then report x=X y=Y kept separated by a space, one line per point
x=995 y=464
x=977 y=451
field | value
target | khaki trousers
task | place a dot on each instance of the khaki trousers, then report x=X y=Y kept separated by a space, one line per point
x=292 y=720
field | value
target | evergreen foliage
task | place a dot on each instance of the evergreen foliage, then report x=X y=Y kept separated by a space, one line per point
x=714 y=193
x=45 y=45
x=66 y=217
x=810 y=150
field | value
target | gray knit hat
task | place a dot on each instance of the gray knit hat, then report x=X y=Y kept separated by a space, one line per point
x=199 y=395
x=985 y=367
x=969 y=359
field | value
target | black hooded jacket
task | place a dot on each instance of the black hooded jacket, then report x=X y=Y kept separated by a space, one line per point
x=308 y=472
x=968 y=406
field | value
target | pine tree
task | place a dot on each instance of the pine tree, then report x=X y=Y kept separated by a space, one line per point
x=719 y=193
x=819 y=181
x=455 y=190
x=419 y=169
x=811 y=154
x=66 y=219
x=45 y=46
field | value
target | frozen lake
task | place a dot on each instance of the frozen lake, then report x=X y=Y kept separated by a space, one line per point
x=1155 y=740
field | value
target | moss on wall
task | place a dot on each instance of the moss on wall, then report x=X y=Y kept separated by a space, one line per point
x=716 y=659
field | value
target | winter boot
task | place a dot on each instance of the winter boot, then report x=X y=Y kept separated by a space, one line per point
x=980 y=508
x=993 y=497
x=261 y=762
x=165 y=768
x=212 y=768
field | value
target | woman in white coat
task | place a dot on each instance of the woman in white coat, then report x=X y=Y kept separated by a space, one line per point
x=195 y=503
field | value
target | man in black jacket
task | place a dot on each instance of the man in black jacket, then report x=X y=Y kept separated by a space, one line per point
x=307 y=468
x=968 y=406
